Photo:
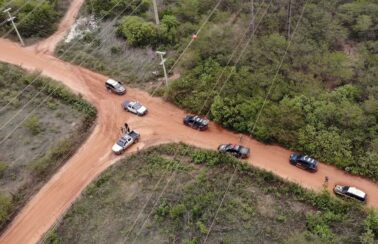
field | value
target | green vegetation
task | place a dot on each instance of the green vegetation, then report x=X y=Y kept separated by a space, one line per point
x=33 y=125
x=29 y=157
x=259 y=206
x=3 y=167
x=5 y=206
x=324 y=98
x=35 y=18
x=137 y=31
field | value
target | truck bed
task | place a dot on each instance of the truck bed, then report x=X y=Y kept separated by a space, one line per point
x=133 y=134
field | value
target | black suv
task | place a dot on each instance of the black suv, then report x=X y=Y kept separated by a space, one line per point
x=115 y=86
x=238 y=151
x=196 y=122
x=304 y=161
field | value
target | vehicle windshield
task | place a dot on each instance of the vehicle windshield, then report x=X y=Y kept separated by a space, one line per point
x=345 y=188
x=231 y=146
x=117 y=86
x=121 y=142
x=137 y=105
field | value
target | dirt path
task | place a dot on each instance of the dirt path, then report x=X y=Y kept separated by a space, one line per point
x=163 y=124
x=48 y=45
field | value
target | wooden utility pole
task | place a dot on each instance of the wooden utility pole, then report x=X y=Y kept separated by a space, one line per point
x=161 y=54
x=252 y=16
x=11 y=19
x=156 y=12
x=289 y=20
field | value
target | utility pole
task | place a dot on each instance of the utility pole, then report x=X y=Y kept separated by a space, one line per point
x=156 y=12
x=289 y=21
x=14 y=25
x=252 y=17
x=163 y=64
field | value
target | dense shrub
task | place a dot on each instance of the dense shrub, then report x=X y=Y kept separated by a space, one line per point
x=33 y=125
x=35 y=18
x=138 y=32
x=3 y=168
x=323 y=101
x=5 y=206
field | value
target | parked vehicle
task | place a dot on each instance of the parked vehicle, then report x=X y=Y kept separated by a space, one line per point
x=196 y=122
x=134 y=107
x=238 y=151
x=350 y=192
x=115 y=87
x=125 y=141
x=304 y=162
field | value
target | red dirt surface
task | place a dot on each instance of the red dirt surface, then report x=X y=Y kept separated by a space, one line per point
x=162 y=124
x=48 y=45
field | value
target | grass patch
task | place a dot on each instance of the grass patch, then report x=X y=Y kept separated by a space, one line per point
x=34 y=156
x=33 y=125
x=259 y=207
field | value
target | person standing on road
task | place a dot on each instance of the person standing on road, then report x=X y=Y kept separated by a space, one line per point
x=127 y=128
x=326 y=179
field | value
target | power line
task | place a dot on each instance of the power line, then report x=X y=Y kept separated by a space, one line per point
x=44 y=100
x=158 y=199
x=196 y=34
x=289 y=20
x=220 y=205
x=66 y=51
x=262 y=107
x=18 y=10
x=251 y=24
x=190 y=43
x=24 y=18
x=11 y=19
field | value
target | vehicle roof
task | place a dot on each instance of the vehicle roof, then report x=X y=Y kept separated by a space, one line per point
x=198 y=119
x=235 y=146
x=112 y=82
x=356 y=192
x=308 y=159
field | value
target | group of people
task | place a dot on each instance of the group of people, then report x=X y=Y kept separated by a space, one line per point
x=125 y=129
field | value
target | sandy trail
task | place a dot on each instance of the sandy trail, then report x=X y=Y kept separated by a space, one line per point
x=48 y=45
x=162 y=124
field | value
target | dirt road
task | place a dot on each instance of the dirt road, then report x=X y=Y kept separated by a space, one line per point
x=48 y=45
x=162 y=124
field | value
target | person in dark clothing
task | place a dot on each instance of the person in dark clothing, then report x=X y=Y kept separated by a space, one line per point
x=325 y=184
x=127 y=129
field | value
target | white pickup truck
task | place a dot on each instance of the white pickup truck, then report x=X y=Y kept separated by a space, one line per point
x=125 y=141
x=134 y=107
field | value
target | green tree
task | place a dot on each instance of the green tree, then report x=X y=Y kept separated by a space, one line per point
x=168 y=28
x=138 y=32
x=326 y=144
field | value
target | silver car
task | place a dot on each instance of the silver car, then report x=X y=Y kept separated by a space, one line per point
x=350 y=192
